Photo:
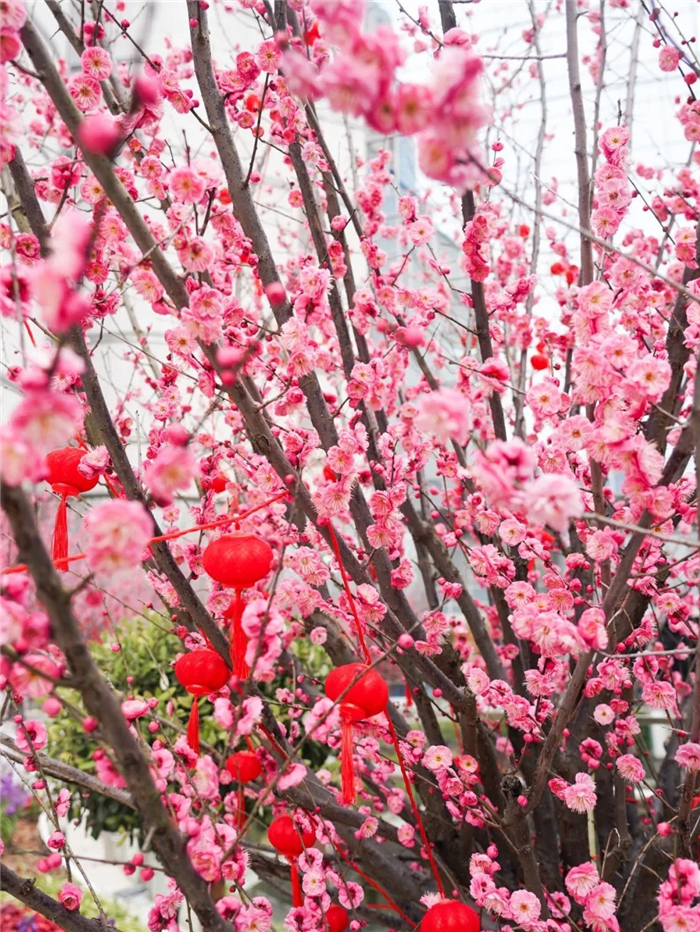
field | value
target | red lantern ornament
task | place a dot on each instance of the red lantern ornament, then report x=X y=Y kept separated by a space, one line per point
x=337 y=918
x=66 y=481
x=218 y=483
x=238 y=561
x=244 y=767
x=202 y=672
x=365 y=698
x=450 y=916
x=290 y=840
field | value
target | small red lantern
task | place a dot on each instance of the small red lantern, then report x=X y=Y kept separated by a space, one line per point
x=290 y=840
x=66 y=481
x=337 y=918
x=218 y=483
x=244 y=767
x=202 y=672
x=539 y=362
x=238 y=561
x=450 y=916
x=366 y=696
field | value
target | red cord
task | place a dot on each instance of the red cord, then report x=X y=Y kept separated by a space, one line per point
x=29 y=332
x=375 y=886
x=351 y=598
x=416 y=813
x=22 y=567
x=392 y=730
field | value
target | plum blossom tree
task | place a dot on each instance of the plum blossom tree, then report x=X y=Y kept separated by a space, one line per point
x=481 y=489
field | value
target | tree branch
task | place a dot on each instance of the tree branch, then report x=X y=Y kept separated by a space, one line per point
x=26 y=892
x=66 y=773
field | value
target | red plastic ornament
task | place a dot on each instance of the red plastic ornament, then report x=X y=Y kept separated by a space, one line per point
x=290 y=840
x=67 y=482
x=539 y=362
x=244 y=767
x=337 y=918
x=218 y=483
x=238 y=561
x=201 y=672
x=450 y=916
x=365 y=698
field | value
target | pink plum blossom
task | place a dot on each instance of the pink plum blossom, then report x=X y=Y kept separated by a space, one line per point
x=118 y=532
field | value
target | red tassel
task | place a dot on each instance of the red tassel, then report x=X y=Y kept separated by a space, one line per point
x=193 y=727
x=59 y=541
x=347 y=769
x=297 y=895
x=240 y=816
x=409 y=695
x=238 y=637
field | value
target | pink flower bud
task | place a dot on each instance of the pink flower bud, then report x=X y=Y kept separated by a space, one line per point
x=410 y=336
x=228 y=356
x=56 y=841
x=52 y=707
x=177 y=435
x=99 y=134
x=90 y=723
x=146 y=90
x=275 y=293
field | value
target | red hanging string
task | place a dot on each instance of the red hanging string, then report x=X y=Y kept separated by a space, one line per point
x=297 y=895
x=392 y=730
x=193 y=726
x=372 y=883
x=59 y=540
x=29 y=332
x=347 y=769
x=238 y=639
x=408 y=694
x=240 y=815
x=351 y=599
x=414 y=807
x=270 y=737
x=22 y=567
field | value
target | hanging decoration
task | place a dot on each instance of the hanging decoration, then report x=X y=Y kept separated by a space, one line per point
x=67 y=482
x=244 y=767
x=290 y=840
x=450 y=916
x=367 y=695
x=202 y=672
x=337 y=918
x=238 y=561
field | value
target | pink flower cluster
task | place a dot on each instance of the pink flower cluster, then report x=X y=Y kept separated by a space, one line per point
x=12 y=17
x=678 y=911
x=445 y=114
x=613 y=193
x=597 y=897
x=504 y=472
